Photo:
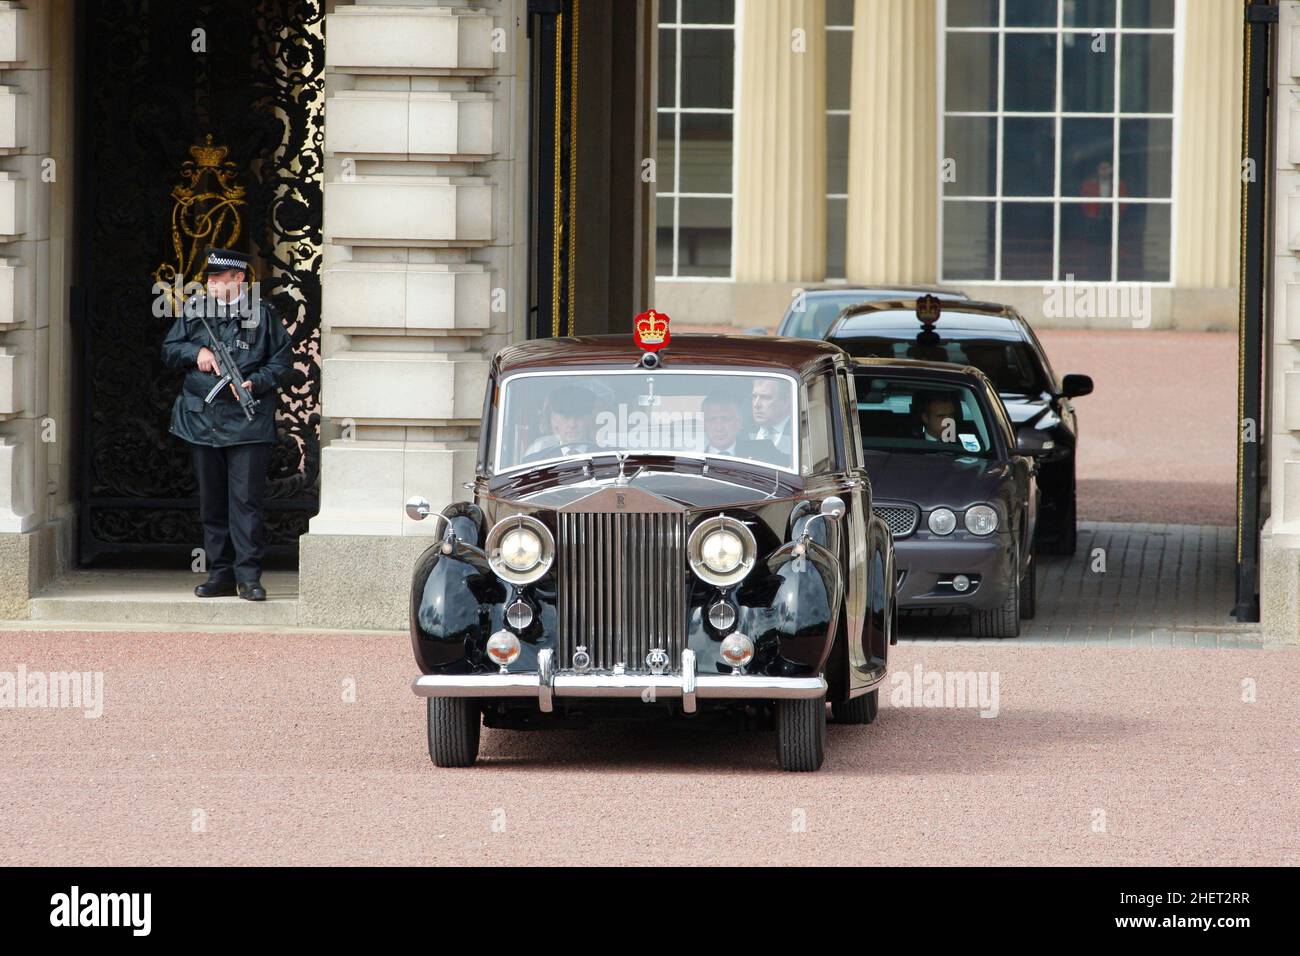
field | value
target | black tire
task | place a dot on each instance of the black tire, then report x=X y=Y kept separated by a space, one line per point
x=454 y=725
x=1029 y=589
x=857 y=710
x=801 y=734
x=1002 y=621
x=1063 y=536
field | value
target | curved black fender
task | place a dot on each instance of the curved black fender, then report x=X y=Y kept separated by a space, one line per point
x=879 y=626
x=796 y=628
x=453 y=591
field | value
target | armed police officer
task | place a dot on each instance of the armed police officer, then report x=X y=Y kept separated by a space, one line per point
x=231 y=441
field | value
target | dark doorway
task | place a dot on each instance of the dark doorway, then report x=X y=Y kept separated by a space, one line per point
x=187 y=107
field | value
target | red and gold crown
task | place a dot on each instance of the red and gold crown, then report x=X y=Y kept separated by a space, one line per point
x=651 y=330
x=927 y=309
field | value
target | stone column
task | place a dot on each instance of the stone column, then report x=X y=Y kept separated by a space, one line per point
x=781 y=142
x=35 y=176
x=1207 y=204
x=1279 y=586
x=893 y=152
x=425 y=277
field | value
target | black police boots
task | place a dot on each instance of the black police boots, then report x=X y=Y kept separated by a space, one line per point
x=215 y=587
x=252 y=591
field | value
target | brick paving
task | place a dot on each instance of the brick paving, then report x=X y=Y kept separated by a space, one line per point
x=1128 y=585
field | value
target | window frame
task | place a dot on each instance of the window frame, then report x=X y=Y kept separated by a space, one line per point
x=1058 y=115
x=677 y=27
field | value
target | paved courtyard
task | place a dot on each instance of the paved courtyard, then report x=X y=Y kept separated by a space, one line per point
x=1135 y=585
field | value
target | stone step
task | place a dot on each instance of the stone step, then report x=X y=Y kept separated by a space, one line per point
x=161 y=597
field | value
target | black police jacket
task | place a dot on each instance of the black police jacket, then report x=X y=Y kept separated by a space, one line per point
x=263 y=351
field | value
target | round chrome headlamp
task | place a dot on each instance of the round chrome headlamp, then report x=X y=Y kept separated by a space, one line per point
x=721 y=550
x=942 y=521
x=981 y=520
x=520 y=549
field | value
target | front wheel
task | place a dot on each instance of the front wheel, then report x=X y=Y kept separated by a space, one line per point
x=1004 y=620
x=454 y=725
x=1029 y=590
x=801 y=733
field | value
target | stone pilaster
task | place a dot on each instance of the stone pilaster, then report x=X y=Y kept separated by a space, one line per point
x=893 y=150
x=1280 y=542
x=781 y=142
x=424 y=279
x=35 y=181
x=1207 y=240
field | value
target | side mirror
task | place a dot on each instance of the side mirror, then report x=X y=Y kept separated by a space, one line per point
x=1031 y=441
x=417 y=508
x=1072 y=386
x=832 y=507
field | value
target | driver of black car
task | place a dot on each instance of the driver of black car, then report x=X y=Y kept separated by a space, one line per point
x=570 y=416
x=937 y=413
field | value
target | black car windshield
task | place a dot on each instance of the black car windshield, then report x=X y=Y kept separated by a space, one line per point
x=547 y=417
x=899 y=415
x=1008 y=360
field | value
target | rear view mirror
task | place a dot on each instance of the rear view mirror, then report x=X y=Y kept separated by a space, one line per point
x=1072 y=386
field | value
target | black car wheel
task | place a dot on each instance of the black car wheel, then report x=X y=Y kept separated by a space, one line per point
x=1061 y=536
x=801 y=733
x=1029 y=589
x=1004 y=620
x=454 y=725
x=857 y=710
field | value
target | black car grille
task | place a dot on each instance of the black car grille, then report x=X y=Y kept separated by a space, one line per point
x=901 y=519
x=622 y=588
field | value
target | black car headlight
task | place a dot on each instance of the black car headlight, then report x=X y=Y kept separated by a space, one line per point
x=721 y=551
x=520 y=549
x=981 y=520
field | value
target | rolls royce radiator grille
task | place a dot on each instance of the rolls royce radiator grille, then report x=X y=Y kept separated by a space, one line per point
x=901 y=519
x=622 y=590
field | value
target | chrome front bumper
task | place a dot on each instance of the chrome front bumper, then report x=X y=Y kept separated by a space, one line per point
x=688 y=686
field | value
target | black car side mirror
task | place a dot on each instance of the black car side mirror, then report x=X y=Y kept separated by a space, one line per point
x=1072 y=386
x=1031 y=441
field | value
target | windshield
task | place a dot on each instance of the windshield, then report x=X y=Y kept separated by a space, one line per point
x=546 y=417
x=921 y=418
x=1010 y=364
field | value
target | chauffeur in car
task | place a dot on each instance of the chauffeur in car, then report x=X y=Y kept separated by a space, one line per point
x=636 y=539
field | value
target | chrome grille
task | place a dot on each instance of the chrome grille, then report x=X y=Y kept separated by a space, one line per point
x=621 y=587
x=901 y=519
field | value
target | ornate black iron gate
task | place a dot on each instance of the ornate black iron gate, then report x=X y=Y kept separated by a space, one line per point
x=158 y=77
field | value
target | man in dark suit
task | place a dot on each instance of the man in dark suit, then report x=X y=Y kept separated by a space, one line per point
x=571 y=418
x=722 y=427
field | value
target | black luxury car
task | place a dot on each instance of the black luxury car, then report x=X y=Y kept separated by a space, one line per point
x=811 y=314
x=958 y=496
x=999 y=342
x=674 y=532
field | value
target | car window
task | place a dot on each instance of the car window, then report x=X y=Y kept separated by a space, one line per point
x=819 y=443
x=1010 y=364
x=817 y=315
x=546 y=417
x=920 y=417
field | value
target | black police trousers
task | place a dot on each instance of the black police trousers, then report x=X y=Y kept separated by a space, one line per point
x=232 y=482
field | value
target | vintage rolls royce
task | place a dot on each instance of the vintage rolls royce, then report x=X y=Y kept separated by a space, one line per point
x=684 y=529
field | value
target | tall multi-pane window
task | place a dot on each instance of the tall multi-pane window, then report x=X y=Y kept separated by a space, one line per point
x=697 y=57
x=839 y=56
x=1058 y=140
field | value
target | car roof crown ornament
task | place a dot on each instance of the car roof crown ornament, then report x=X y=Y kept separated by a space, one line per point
x=650 y=331
x=927 y=309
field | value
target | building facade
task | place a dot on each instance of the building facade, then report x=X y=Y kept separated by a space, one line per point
x=721 y=153
x=994 y=145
